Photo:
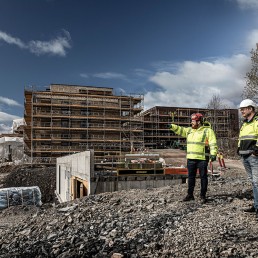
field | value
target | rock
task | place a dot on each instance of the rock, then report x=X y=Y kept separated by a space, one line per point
x=117 y=255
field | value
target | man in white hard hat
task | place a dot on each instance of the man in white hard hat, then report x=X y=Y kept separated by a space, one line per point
x=248 y=147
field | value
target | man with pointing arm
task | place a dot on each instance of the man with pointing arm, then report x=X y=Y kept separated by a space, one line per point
x=199 y=137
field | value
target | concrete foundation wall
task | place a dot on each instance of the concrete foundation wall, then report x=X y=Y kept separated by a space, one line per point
x=77 y=165
x=112 y=184
x=75 y=178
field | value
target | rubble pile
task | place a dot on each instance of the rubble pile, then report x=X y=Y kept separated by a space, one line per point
x=140 y=223
x=42 y=176
x=4 y=171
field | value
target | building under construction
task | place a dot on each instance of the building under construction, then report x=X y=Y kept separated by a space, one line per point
x=157 y=134
x=65 y=119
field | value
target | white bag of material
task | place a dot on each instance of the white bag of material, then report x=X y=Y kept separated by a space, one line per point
x=20 y=196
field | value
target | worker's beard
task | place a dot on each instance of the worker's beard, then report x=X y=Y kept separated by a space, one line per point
x=195 y=126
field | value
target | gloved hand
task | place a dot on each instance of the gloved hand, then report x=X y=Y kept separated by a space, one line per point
x=212 y=157
x=170 y=126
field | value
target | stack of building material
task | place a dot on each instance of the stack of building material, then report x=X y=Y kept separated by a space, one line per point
x=20 y=196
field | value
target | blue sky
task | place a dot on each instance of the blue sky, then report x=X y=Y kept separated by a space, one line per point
x=175 y=52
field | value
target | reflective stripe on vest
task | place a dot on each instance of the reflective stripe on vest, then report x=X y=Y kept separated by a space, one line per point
x=244 y=152
x=199 y=143
x=249 y=137
x=192 y=152
x=180 y=130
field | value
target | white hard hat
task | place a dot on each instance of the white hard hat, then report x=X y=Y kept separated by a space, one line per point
x=247 y=103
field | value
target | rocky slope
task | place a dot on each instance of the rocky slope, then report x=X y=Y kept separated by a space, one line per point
x=139 y=223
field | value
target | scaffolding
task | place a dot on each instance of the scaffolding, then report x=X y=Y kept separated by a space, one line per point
x=158 y=119
x=65 y=119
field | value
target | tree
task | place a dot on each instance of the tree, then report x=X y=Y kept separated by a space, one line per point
x=251 y=88
x=215 y=103
x=219 y=117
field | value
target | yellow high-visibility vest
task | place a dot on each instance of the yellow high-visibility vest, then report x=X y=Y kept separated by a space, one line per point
x=196 y=140
x=248 y=137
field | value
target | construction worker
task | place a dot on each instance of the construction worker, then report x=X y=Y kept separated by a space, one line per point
x=248 y=147
x=197 y=136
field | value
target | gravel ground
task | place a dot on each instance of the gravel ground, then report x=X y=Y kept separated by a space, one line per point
x=139 y=223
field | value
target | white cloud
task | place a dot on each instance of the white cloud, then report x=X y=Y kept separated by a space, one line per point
x=252 y=40
x=142 y=72
x=5 y=129
x=4 y=117
x=248 y=4
x=193 y=84
x=84 y=75
x=11 y=40
x=110 y=75
x=6 y=120
x=106 y=75
x=9 y=102
x=122 y=91
x=56 y=46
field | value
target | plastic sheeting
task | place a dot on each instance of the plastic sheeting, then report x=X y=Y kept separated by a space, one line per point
x=17 y=123
x=20 y=196
x=10 y=140
x=11 y=149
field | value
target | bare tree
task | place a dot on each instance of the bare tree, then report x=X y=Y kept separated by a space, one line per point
x=219 y=117
x=215 y=103
x=251 y=88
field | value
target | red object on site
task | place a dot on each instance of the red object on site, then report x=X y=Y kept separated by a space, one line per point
x=175 y=171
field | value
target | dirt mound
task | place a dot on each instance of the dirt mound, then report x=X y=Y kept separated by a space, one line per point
x=42 y=176
x=5 y=170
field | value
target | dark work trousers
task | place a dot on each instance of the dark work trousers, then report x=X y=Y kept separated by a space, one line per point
x=192 y=166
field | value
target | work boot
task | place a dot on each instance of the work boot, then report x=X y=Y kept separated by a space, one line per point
x=188 y=198
x=203 y=199
x=251 y=209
